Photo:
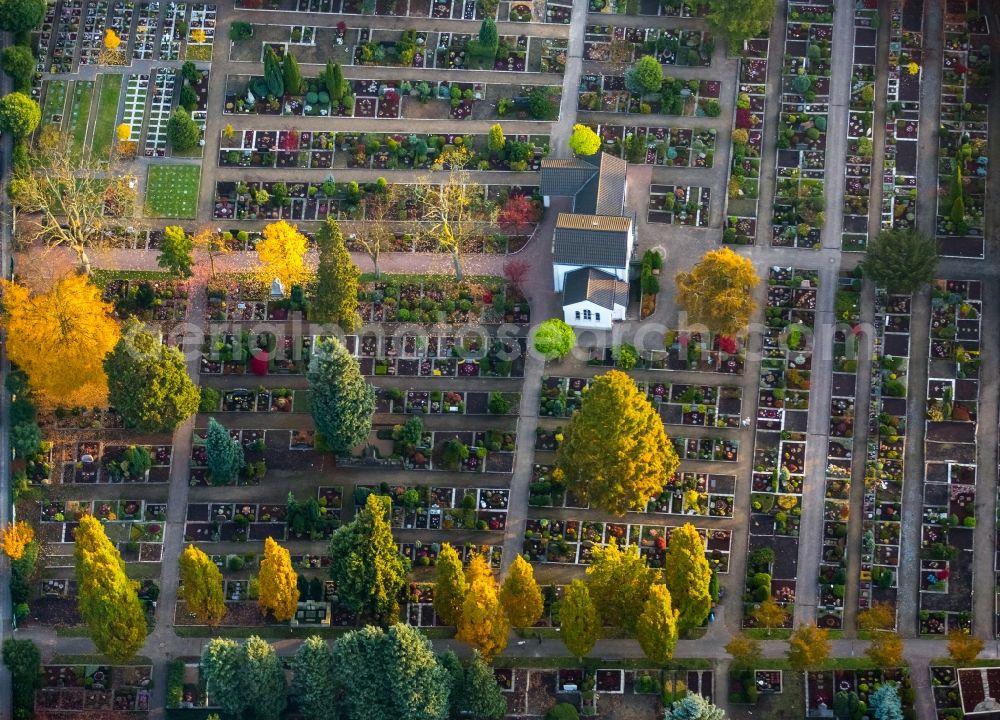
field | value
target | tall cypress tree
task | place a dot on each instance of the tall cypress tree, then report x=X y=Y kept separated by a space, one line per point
x=291 y=74
x=108 y=600
x=336 y=279
x=342 y=402
x=273 y=75
x=333 y=77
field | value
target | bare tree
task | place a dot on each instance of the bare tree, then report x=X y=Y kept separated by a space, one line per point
x=72 y=201
x=621 y=52
x=456 y=211
x=375 y=234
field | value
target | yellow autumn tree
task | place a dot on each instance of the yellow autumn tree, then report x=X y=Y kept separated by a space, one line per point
x=279 y=592
x=615 y=452
x=198 y=35
x=201 y=586
x=111 y=39
x=450 y=586
x=717 y=292
x=808 y=647
x=656 y=630
x=282 y=254
x=483 y=623
x=520 y=595
x=124 y=132
x=59 y=339
x=15 y=538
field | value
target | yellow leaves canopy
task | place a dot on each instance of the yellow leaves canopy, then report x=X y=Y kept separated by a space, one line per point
x=60 y=338
x=963 y=647
x=107 y=598
x=656 y=629
x=808 y=647
x=15 y=537
x=450 y=586
x=688 y=575
x=717 y=292
x=282 y=254
x=520 y=596
x=483 y=623
x=111 y=39
x=201 y=586
x=123 y=131
x=615 y=451
x=279 y=591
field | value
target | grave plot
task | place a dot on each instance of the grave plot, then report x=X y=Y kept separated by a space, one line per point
x=446 y=402
x=424 y=553
x=679 y=205
x=122 y=13
x=963 y=141
x=747 y=140
x=98 y=462
x=944 y=685
x=779 y=438
x=466 y=451
x=860 y=118
x=59 y=37
x=899 y=174
x=671 y=46
x=823 y=686
x=136 y=93
x=977 y=689
x=170 y=40
x=93 y=690
x=692 y=493
x=421 y=507
x=79 y=116
x=377 y=151
x=159 y=300
x=950 y=457
x=572 y=542
x=94 y=25
x=54 y=102
x=839 y=458
x=607 y=93
x=882 y=509
x=161 y=106
x=665 y=146
x=135 y=526
x=678 y=404
x=689 y=352
x=387 y=99
x=201 y=33
x=800 y=173
x=344 y=201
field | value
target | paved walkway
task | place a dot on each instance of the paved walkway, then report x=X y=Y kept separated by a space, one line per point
x=916 y=392
x=814 y=485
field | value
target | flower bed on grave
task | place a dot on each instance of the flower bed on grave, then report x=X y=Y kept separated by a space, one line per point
x=97 y=462
x=149 y=300
x=858 y=169
x=964 y=136
x=798 y=202
x=571 y=542
x=839 y=461
x=93 y=689
x=679 y=205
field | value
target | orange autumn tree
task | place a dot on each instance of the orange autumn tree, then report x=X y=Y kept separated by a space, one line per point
x=60 y=338
x=279 y=592
x=15 y=538
x=282 y=254
x=483 y=623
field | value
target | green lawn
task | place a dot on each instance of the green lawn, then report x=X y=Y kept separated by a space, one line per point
x=107 y=114
x=79 y=119
x=172 y=191
x=55 y=101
